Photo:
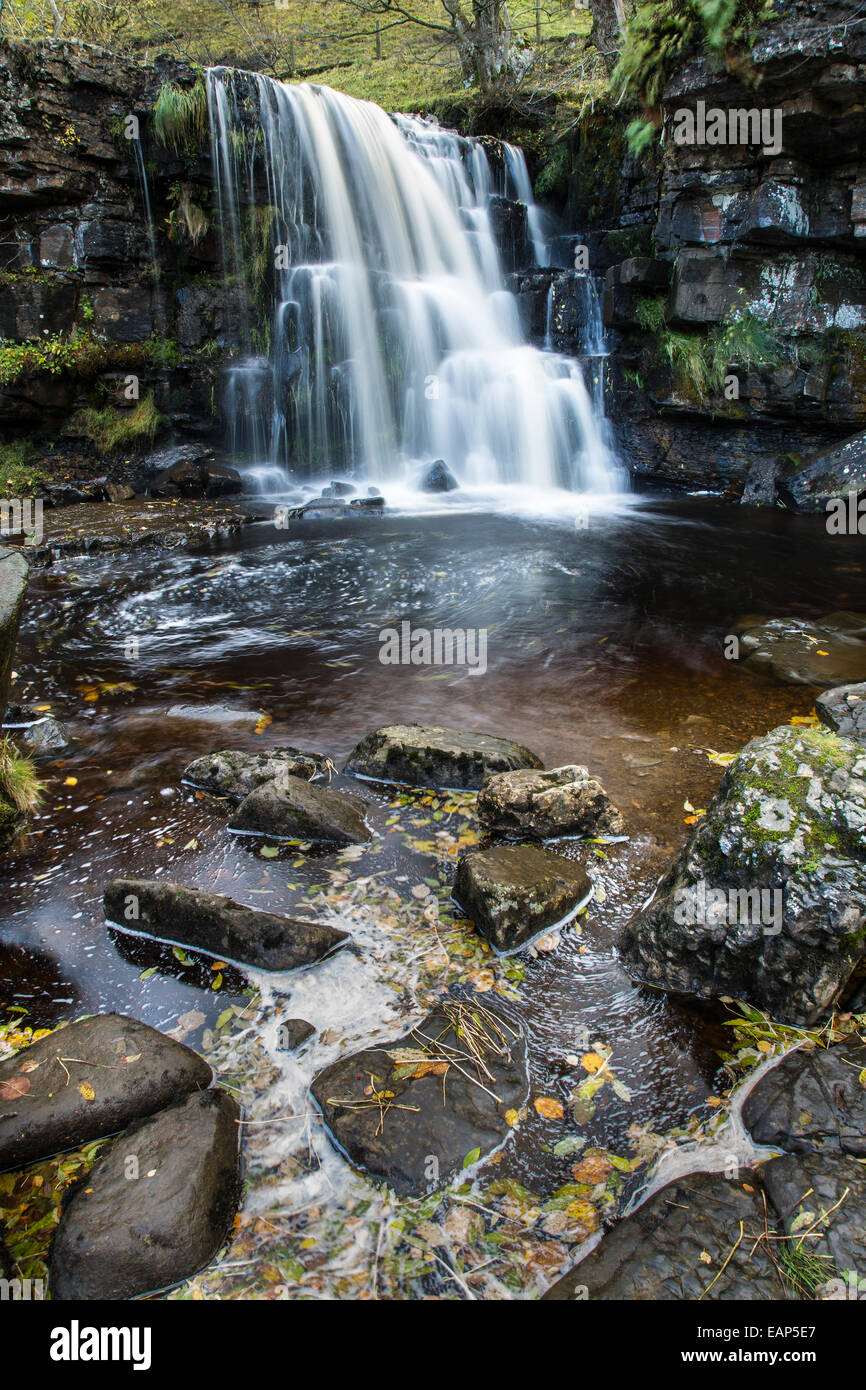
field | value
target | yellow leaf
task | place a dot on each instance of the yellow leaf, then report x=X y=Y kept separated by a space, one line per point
x=550 y=1109
x=71 y=782
x=512 y=1118
x=87 y=1090
x=591 y=1061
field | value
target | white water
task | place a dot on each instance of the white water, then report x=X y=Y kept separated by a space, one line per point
x=393 y=340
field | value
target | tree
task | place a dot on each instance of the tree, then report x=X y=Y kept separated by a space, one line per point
x=491 y=55
x=609 y=18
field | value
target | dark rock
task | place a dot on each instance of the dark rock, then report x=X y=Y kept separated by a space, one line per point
x=437 y=477
x=787 y=823
x=119 y=492
x=367 y=504
x=133 y=1071
x=121 y=1236
x=829 y=651
x=14 y=573
x=834 y=472
x=293 y=1032
x=658 y=1254
x=234 y=773
x=164 y=460
x=123 y=315
x=217 y=925
x=421 y=756
x=561 y=801
x=803 y=1187
x=293 y=809
x=46 y=736
x=843 y=709
x=812 y=1102
x=216 y=714
x=339 y=490
x=761 y=484
x=514 y=892
x=510 y=227
x=445 y=1117
x=704 y=289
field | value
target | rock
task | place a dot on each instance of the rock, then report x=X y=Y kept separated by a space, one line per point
x=216 y=714
x=437 y=477
x=164 y=460
x=830 y=651
x=293 y=1032
x=761 y=484
x=46 y=736
x=787 y=822
x=802 y=1187
x=221 y=480
x=119 y=492
x=812 y=1102
x=843 y=709
x=658 y=1253
x=561 y=801
x=121 y=1236
x=14 y=573
x=418 y=756
x=217 y=925
x=131 y=1069
x=296 y=810
x=834 y=472
x=513 y=892
x=339 y=490
x=234 y=773
x=444 y=1117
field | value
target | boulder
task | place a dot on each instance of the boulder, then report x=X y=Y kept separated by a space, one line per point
x=293 y=809
x=217 y=714
x=834 y=472
x=292 y=1033
x=437 y=477
x=436 y=1104
x=767 y=901
x=513 y=892
x=418 y=756
x=812 y=1102
x=805 y=1187
x=798 y=651
x=14 y=572
x=217 y=926
x=88 y=1080
x=234 y=773
x=156 y=1208
x=843 y=709
x=46 y=736
x=561 y=801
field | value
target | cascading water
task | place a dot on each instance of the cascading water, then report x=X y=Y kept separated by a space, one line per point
x=392 y=339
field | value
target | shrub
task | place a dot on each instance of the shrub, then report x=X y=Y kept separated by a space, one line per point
x=180 y=116
x=113 y=430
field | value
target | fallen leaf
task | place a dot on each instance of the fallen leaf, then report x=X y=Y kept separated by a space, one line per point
x=549 y=1108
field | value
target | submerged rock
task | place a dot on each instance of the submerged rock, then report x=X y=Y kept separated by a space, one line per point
x=14 y=573
x=421 y=756
x=439 y=1112
x=843 y=709
x=812 y=1102
x=234 y=773
x=834 y=472
x=46 y=736
x=293 y=809
x=437 y=477
x=767 y=901
x=513 y=892
x=802 y=1188
x=829 y=651
x=156 y=1208
x=217 y=925
x=292 y=1032
x=216 y=714
x=561 y=801
x=88 y=1080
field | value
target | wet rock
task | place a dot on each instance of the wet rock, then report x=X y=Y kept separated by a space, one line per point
x=46 y=736
x=339 y=490
x=131 y=1070
x=293 y=809
x=234 y=773
x=802 y=1187
x=320 y=509
x=658 y=1254
x=787 y=823
x=216 y=714
x=834 y=472
x=292 y=1032
x=121 y=1236
x=561 y=801
x=437 y=477
x=217 y=926
x=164 y=460
x=119 y=492
x=513 y=892
x=843 y=709
x=830 y=651
x=812 y=1102
x=420 y=756
x=430 y=1116
x=14 y=573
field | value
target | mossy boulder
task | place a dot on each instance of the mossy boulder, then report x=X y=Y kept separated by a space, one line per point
x=767 y=901
x=417 y=756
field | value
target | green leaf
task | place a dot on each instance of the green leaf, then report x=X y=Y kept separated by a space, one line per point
x=472 y=1157
x=269 y=851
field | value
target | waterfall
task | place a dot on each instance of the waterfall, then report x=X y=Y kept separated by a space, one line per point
x=377 y=333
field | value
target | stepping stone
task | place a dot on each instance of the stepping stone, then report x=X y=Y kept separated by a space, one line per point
x=156 y=1208
x=811 y=1102
x=216 y=714
x=217 y=925
x=513 y=892
x=88 y=1080
x=561 y=801
x=293 y=1032
x=293 y=809
x=233 y=773
x=843 y=709
x=438 y=1115
x=825 y=652
x=416 y=756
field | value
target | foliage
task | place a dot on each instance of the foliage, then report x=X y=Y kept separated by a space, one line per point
x=186 y=217
x=113 y=430
x=701 y=361
x=180 y=117
x=81 y=354
x=19 y=784
x=19 y=474
x=650 y=312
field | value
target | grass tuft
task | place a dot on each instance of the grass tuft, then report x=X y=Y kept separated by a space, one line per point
x=19 y=785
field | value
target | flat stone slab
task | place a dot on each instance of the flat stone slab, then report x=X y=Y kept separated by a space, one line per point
x=88 y=1080
x=91 y=527
x=561 y=801
x=433 y=1116
x=417 y=756
x=827 y=651
x=812 y=1102
x=216 y=714
x=293 y=809
x=217 y=925
x=234 y=773
x=513 y=892
x=805 y=1187
x=156 y=1208
x=843 y=709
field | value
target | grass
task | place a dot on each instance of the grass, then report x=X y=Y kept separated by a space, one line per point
x=19 y=785
x=180 y=117
x=20 y=476
x=113 y=430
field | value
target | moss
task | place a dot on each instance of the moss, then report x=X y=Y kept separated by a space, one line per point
x=80 y=354
x=20 y=475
